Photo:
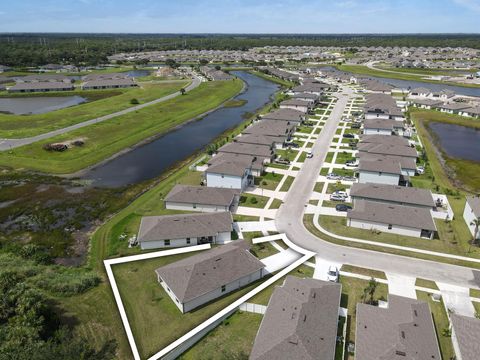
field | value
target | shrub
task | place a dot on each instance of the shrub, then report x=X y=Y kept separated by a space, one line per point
x=67 y=283
x=253 y=200
x=134 y=101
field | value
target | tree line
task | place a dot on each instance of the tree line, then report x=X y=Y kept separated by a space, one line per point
x=21 y=50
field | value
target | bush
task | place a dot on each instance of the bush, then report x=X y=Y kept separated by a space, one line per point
x=55 y=147
x=67 y=283
x=253 y=200
x=134 y=101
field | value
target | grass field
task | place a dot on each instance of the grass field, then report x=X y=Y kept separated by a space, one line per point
x=255 y=201
x=233 y=339
x=107 y=138
x=18 y=126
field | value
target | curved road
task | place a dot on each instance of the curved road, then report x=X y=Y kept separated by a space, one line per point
x=289 y=220
x=6 y=144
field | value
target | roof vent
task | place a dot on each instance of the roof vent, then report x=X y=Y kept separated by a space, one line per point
x=400 y=353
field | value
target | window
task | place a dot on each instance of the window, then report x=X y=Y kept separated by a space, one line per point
x=166 y=242
x=223 y=176
x=188 y=240
x=224 y=288
x=390 y=226
x=194 y=206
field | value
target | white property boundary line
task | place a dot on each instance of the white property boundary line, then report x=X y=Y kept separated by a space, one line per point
x=108 y=266
x=218 y=316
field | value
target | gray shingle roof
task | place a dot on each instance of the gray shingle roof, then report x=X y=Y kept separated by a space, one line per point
x=255 y=162
x=46 y=85
x=202 y=195
x=384 y=139
x=153 y=228
x=398 y=194
x=403 y=331
x=388 y=149
x=209 y=270
x=248 y=149
x=258 y=139
x=285 y=115
x=380 y=165
x=474 y=202
x=271 y=128
x=406 y=163
x=381 y=124
x=300 y=322
x=401 y=215
x=467 y=332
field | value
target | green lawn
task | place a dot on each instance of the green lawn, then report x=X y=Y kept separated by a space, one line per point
x=232 y=339
x=329 y=157
x=429 y=284
x=332 y=204
x=255 y=201
x=154 y=318
x=107 y=138
x=441 y=322
x=318 y=187
x=336 y=187
x=302 y=157
x=269 y=180
x=362 y=271
x=287 y=183
x=343 y=157
x=288 y=154
x=276 y=203
x=18 y=126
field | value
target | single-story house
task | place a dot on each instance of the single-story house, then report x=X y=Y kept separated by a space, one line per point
x=255 y=163
x=391 y=194
x=261 y=151
x=389 y=218
x=382 y=106
x=403 y=330
x=300 y=322
x=465 y=332
x=382 y=127
x=282 y=129
x=379 y=171
x=377 y=86
x=201 y=278
x=388 y=149
x=384 y=139
x=201 y=198
x=4 y=68
x=452 y=108
x=273 y=142
x=43 y=78
x=46 y=86
x=443 y=94
x=426 y=103
x=311 y=88
x=420 y=92
x=293 y=116
x=306 y=97
x=229 y=174
x=109 y=84
x=408 y=165
x=470 y=112
x=296 y=104
x=184 y=230
x=471 y=212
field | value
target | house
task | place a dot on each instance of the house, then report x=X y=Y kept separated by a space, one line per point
x=403 y=330
x=280 y=129
x=4 y=68
x=254 y=163
x=420 y=92
x=306 y=97
x=442 y=95
x=184 y=230
x=55 y=78
x=311 y=88
x=389 y=218
x=405 y=155
x=426 y=103
x=408 y=165
x=201 y=278
x=376 y=86
x=471 y=212
x=44 y=86
x=292 y=116
x=109 y=84
x=300 y=322
x=382 y=127
x=298 y=105
x=261 y=151
x=470 y=112
x=452 y=108
x=201 y=198
x=229 y=174
x=391 y=194
x=465 y=332
x=379 y=171
x=384 y=139
x=382 y=106
x=265 y=140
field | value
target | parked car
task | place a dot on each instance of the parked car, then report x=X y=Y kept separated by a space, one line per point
x=349 y=136
x=341 y=193
x=335 y=197
x=309 y=155
x=293 y=145
x=333 y=176
x=343 y=207
x=420 y=170
x=349 y=178
x=352 y=163
x=333 y=274
x=282 y=161
x=356 y=125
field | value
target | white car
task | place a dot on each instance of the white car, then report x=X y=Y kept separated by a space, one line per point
x=309 y=155
x=336 y=197
x=420 y=170
x=332 y=274
x=341 y=193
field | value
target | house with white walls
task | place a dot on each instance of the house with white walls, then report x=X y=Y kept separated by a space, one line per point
x=201 y=198
x=471 y=212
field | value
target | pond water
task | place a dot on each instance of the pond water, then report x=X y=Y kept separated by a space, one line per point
x=138 y=73
x=151 y=160
x=406 y=84
x=37 y=104
x=457 y=141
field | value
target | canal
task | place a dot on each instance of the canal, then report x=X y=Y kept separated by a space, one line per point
x=151 y=160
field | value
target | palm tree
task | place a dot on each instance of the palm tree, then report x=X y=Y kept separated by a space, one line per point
x=476 y=223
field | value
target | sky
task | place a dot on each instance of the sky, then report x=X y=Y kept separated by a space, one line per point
x=241 y=16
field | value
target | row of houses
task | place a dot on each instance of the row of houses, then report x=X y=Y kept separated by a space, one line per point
x=215 y=74
x=58 y=82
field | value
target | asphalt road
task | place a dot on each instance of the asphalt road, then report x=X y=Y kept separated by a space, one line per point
x=6 y=144
x=289 y=220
